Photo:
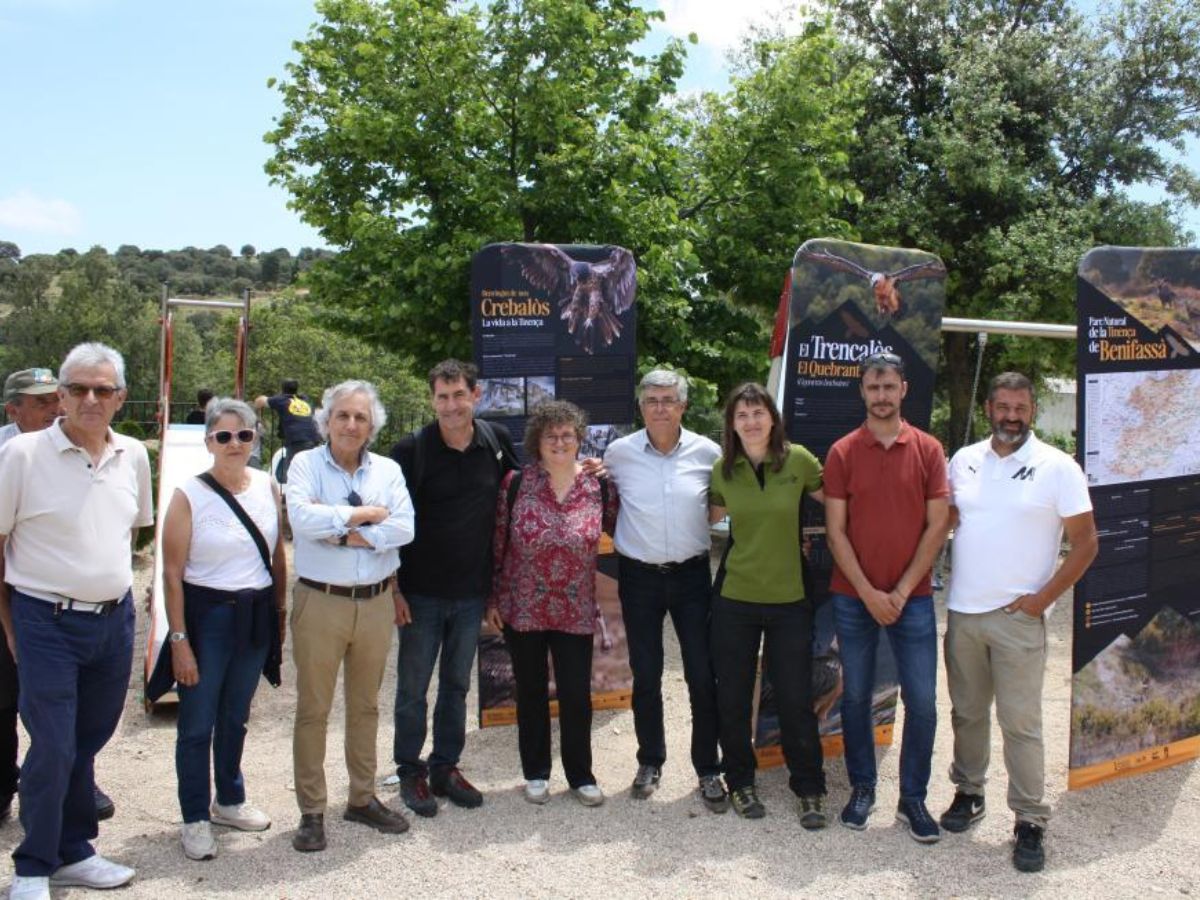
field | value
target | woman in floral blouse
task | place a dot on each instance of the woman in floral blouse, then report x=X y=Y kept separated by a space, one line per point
x=544 y=594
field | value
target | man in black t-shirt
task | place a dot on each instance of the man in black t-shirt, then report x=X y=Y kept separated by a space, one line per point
x=296 y=427
x=453 y=467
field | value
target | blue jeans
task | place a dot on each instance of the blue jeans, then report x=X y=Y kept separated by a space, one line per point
x=914 y=645
x=647 y=596
x=213 y=714
x=451 y=626
x=74 y=671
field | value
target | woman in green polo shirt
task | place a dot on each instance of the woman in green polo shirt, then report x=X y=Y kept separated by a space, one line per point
x=759 y=482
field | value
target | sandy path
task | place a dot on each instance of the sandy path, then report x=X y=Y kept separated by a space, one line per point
x=1126 y=838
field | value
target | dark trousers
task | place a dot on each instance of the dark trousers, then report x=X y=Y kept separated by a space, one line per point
x=74 y=670
x=448 y=629
x=572 y=658
x=786 y=631
x=8 y=722
x=647 y=596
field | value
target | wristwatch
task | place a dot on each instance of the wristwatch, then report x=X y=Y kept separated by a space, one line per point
x=342 y=540
x=176 y=636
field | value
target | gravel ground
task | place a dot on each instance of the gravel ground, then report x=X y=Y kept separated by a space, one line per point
x=1122 y=839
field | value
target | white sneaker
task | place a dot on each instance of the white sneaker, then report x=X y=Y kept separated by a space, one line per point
x=93 y=872
x=241 y=816
x=588 y=794
x=198 y=841
x=537 y=790
x=29 y=887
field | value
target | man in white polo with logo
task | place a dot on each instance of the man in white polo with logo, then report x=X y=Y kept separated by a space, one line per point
x=1012 y=498
x=72 y=497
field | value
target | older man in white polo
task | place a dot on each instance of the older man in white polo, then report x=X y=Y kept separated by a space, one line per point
x=72 y=497
x=350 y=513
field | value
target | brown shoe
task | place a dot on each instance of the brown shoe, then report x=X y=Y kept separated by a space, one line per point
x=378 y=816
x=310 y=836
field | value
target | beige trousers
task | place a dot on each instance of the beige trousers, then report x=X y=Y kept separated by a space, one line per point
x=327 y=630
x=998 y=655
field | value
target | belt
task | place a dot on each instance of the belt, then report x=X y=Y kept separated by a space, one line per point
x=357 y=592
x=100 y=608
x=669 y=567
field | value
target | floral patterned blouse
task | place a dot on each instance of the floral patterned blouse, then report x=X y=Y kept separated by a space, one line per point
x=545 y=553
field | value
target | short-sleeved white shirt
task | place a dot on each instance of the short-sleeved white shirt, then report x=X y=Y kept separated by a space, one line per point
x=67 y=521
x=1011 y=512
x=664 y=496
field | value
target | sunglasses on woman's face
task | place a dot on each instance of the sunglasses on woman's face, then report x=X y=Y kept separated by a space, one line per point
x=244 y=436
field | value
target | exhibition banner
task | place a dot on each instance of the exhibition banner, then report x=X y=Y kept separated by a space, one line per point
x=848 y=301
x=557 y=321
x=1135 y=692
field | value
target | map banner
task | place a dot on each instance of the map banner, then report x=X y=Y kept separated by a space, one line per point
x=1135 y=696
x=557 y=321
x=847 y=301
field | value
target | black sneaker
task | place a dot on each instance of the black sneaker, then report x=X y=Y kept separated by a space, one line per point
x=105 y=809
x=414 y=791
x=965 y=810
x=645 y=782
x=746 y=803
x=920 y=823
x=1028 y=853
x=859 y=807
x=812 y=814
x=712 y=792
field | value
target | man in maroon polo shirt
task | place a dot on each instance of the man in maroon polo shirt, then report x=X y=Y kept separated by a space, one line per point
x=886 y=515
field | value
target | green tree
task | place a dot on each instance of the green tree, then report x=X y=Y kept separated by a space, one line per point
x=1001 y=135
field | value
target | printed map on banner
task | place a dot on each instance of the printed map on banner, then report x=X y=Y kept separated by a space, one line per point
x=1142 y=425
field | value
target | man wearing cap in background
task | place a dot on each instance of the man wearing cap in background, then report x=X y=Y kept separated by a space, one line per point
x=31 y=404
x=72 y=498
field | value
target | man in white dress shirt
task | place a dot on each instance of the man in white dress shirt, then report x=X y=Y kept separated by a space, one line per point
x=662 y=541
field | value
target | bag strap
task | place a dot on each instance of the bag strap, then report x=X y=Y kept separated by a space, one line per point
x=259 y=541
x=514 y=485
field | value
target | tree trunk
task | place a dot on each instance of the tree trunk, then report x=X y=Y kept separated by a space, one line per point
x=960 y=373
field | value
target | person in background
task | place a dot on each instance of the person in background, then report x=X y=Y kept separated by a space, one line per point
x=1012 y=498
x=350 y=513
x=886 y=513
x=31 y=404
x=759 y=482
x=196 y=416
x=297 y=428
x=544 y=594
x=72 y=498
x=662 y=540
x=220 y=599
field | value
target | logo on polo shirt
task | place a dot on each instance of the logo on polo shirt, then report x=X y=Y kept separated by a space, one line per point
x=1025 y=473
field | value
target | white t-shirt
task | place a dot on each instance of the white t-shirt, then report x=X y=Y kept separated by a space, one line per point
x=68 y=521
x=222 y=554
x=1011 y=511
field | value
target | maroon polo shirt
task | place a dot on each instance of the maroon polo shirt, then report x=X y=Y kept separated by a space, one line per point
x=885 y=489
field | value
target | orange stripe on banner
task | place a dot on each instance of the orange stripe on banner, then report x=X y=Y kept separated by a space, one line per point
x=831 y=745
x=507 y=715
x=1134 y=763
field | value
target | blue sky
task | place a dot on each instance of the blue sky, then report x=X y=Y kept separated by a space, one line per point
x=141 y=121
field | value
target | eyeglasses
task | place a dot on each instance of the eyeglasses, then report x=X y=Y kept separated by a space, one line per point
x=660 y=403
x=353 y=499
x=102 y=391
x=244 y=436
x=571 y=438
x=884 y=359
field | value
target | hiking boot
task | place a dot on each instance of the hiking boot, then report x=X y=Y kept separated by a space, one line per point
x=453 y=785
x=645 y=782
x=920 y=823
x=414 y=791
x=859 y=807
x=712 y=792
x=1028 y=853
x=310 y=836
x=965 y=810
x=746 y=803
x=812 y=813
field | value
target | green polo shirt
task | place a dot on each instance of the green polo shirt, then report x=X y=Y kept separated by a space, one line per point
x=762 y=564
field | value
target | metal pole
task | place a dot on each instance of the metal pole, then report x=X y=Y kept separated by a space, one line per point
x=1020 y=329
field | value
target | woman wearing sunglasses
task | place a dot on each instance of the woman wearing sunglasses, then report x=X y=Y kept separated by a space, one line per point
x=544 y=594
x=222 y=603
